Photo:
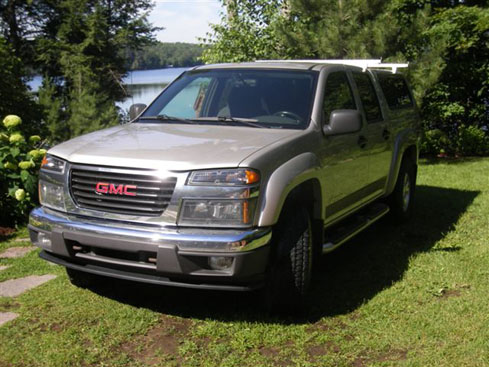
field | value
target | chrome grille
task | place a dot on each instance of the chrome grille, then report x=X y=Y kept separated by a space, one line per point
x=150 y=197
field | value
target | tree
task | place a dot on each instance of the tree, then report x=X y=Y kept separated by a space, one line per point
x=457 y=106
x=249 y=31
x=77 y=46
x=84 y=44
x=161 y=54
x=14 y=94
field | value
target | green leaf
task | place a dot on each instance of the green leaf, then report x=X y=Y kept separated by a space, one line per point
x=30 y=184
x=15 y=151
x=24 y=175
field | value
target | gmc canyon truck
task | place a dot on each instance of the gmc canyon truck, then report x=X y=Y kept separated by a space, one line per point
x=236 y=177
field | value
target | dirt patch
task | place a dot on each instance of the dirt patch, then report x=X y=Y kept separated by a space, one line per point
x=393 y=355
x=318 y=350
x=445 y=293
x=4 y=267
x=43 y=326
x=269 y=352
x=374 y=358
x=164 y=338
x=6 y=232
x=450 y=293
x=9 y=306
x=15 y=252
x=331 y=327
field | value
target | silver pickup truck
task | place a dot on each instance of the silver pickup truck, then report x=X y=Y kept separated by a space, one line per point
x=236 y=177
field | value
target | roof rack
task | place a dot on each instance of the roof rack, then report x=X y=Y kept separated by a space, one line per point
x=361 y=63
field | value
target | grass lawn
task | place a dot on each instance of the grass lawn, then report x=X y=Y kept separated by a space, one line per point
x=415 y=295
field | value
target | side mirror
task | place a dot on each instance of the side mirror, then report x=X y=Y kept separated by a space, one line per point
x=135 y=110
x=343 y=122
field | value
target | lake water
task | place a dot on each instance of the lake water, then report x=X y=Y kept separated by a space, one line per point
x=142 y=85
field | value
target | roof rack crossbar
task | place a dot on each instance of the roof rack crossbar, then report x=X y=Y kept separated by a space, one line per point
x=361 y=63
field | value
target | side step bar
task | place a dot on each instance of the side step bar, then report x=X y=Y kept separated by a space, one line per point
x=346 y=230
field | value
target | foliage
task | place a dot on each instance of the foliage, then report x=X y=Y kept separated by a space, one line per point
x=19 y=163
x=249 y=31
x=161 y=54
x=458 y=104
x=14 y=94
x=76 y=45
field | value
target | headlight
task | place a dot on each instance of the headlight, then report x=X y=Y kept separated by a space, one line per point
x=225 y=198
x=53 y=164
x=220 y=212
x=51 y=195
x=224 y=177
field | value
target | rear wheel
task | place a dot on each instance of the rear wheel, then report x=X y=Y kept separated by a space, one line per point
x=402 y=198
x=291 y=267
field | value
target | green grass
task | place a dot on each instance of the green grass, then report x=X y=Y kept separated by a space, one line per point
x=415 y=295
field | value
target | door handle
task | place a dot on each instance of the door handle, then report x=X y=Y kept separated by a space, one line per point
x=362 y=141
x=386 y=134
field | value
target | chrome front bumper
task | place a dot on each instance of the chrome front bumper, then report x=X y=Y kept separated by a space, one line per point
x=179 y=256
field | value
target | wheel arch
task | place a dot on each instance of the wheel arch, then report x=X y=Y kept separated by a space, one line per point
x=294 y=180
x=406 y=145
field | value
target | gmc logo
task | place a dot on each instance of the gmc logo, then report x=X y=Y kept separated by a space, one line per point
x=108 y=188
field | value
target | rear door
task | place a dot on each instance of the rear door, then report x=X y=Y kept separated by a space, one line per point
x=377 y=133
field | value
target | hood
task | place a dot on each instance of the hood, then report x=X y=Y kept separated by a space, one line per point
x=172 y=147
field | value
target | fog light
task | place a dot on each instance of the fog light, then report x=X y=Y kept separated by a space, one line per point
x=220 y=262
x=44 y=241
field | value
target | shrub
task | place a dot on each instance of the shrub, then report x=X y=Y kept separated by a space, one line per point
x=471 y=140
x=19 y=165
x=464 y=141
x=435 y=142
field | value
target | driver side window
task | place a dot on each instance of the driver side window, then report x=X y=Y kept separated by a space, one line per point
x=337 y=95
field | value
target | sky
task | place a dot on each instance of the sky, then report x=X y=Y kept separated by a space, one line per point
x=184 y=20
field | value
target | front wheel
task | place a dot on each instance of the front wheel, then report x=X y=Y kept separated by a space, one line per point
x=291 y=267
x=402 y=198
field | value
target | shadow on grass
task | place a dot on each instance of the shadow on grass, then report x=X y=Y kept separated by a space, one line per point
x=348 y=277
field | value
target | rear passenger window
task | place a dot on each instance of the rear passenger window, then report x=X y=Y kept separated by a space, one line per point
x=395 y=90
x=368 y=97
x=338 y=94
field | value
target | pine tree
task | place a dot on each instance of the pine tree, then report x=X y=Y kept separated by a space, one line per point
x=82 y=52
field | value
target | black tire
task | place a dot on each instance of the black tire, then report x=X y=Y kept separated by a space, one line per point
x=291 y=265
x=401 y=201
x=80 y=279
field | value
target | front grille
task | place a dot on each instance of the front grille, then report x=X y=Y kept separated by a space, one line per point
x=149 y=195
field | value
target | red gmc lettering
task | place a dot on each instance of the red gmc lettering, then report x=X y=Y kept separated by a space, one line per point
x=108 y=188
x=128 y=187
x=102 y=187
x=118 y=190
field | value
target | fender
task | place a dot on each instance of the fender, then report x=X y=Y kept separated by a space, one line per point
x=408 y=137
x=282 y=181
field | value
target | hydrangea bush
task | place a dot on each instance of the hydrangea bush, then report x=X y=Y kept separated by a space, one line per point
x=20 y=159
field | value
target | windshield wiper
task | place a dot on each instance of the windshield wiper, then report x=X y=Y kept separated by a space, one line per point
x=239 y=120
x=166 y=118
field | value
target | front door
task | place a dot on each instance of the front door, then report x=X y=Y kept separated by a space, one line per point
x=343 y=157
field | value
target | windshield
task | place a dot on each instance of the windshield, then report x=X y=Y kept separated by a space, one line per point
x=254 y=98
